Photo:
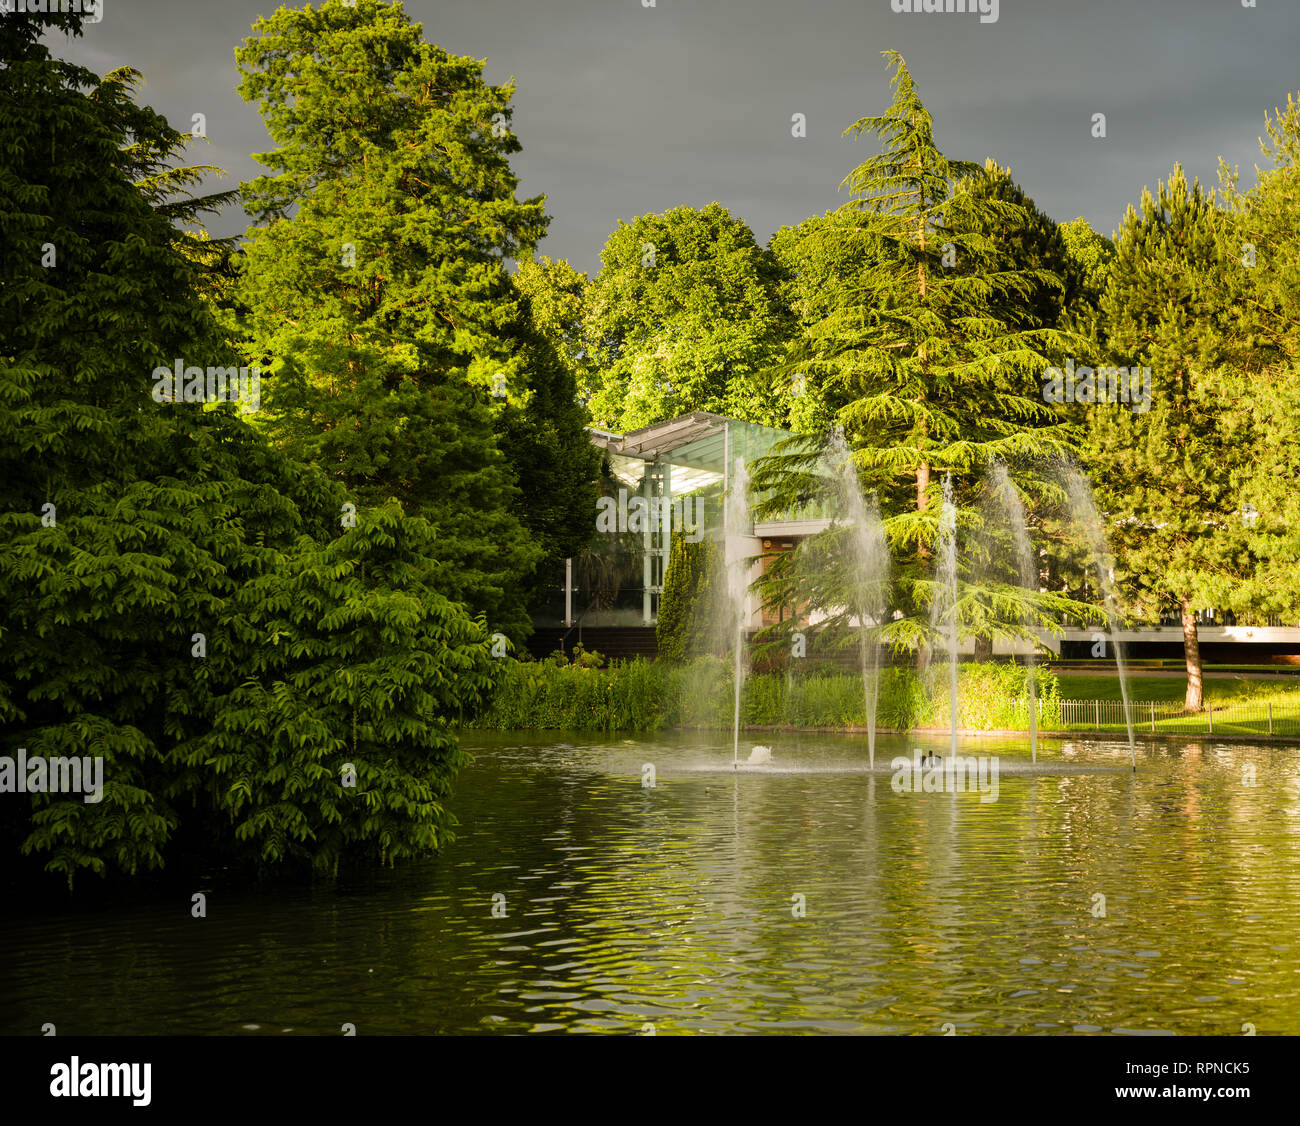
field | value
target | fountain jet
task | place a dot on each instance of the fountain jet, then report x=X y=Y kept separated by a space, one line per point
x=1087 y=516
x=1005 y=494
x=868 y=566
x=944 y=604
x=736 y=527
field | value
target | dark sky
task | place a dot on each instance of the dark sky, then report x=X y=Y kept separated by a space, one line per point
x=624 y=110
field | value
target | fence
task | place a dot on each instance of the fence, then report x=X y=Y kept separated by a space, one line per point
x=1246 y=717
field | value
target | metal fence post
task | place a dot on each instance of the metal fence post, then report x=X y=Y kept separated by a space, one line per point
x=1153 y=717
x=1270 y=717
x=1209 y=713
x=1098 y=709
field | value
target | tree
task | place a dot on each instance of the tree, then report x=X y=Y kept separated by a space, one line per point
x=375 y=282
x=826 y=263
x=545 y=439
x=557 y=303
x=1091 y=255
x=683 y=316
x=1164 y=476
x=1027 y=241
x=1020 y=240
x=168 y=582
x=928 y=368
x=1264 y=414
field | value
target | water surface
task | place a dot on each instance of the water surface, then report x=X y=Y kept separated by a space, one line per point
x=676 y=908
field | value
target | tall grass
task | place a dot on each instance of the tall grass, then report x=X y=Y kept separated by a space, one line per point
x=650 y=696
x=991 y=697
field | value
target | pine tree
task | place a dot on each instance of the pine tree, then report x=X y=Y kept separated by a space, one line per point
x=1265 y=351
x=925 y=361
x=1164 y=477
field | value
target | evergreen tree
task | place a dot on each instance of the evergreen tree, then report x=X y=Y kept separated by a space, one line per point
x=1265 y=344
x=1163 y=477
x=1023 y=240
x=928 y=368
x=375 y=282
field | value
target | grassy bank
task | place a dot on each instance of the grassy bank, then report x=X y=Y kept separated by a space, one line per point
x=645 y=696
x=652 y=696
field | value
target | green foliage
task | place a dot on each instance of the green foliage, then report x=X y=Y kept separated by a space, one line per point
x=684 y=315
x=557 y=300
x=642 y=696
x=545 y=440
x=376 y=298
x=580 y=657
x=827 y=264
x=627 y=696
x=359 y=662
x=1265 y=343
x=934 y=297
x=1091 y=255
x=685 y=609
x=1009 y=241
x=176 y=597
x=1165 y=477
x=993 y=696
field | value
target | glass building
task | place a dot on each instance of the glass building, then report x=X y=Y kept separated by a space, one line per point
x=669 y=477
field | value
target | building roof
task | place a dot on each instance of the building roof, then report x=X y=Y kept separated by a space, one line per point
x=694 y=444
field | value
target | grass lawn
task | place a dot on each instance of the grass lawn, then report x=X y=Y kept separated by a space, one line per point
x=1095 y=686
x=1240 y=702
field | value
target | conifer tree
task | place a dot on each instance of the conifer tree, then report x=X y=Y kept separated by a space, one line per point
x=1025 y=240
x=1163 y=477
x=926 y=362
x=1265 y=354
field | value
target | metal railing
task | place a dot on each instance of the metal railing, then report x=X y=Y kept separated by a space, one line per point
x=1170 y=717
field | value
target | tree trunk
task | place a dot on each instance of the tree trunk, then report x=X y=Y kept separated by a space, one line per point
x=1192 y=651
x=984 y=648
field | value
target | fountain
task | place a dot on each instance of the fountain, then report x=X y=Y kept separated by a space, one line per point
x=869 y=571
x=737 y=526
x=1004 y=493
x=1086 y=515
x=860 y=555
x=944 y=603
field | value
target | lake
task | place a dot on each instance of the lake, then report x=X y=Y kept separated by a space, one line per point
x=803 y=896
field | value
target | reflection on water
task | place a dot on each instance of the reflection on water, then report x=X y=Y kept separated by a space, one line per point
x=676 y=905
